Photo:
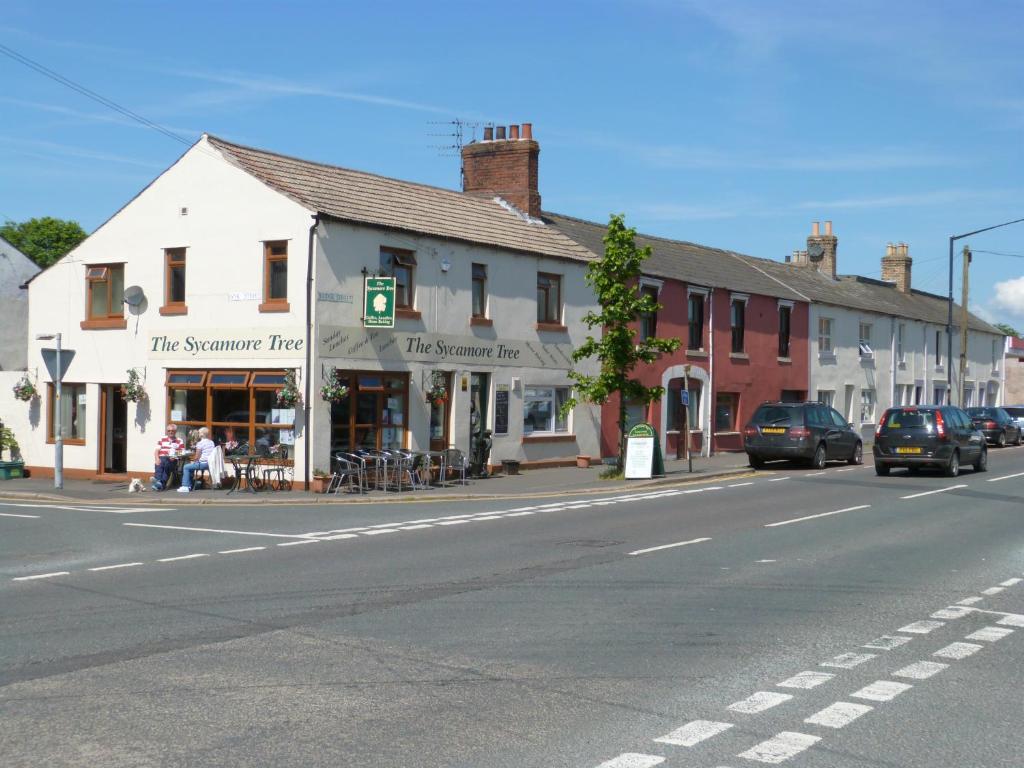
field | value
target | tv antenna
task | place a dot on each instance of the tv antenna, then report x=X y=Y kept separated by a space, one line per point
x=456 y=134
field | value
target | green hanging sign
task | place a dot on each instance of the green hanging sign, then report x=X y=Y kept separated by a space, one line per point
x=379 y=302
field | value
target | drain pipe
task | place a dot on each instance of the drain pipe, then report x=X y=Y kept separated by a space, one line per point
x=309 y=351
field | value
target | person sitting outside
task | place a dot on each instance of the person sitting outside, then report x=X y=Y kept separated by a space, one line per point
x=201 y=460
x=165 y=458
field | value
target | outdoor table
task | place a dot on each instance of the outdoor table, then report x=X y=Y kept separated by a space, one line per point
x=248 y=473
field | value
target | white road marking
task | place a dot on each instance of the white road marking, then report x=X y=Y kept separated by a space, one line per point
x=848 y=660
x=1005 y=477
x=91 y=508
x=215 y=530
x=920 y=670
x=41 y=576
x=524 y=509
x=958 y=650
x=952 y=612
x=379 y=531
x=444 y=522
x=633 y=760
x=577 y=506
x=759 y=702
x=888 y=642
x=11 y=514
x=519 y=514
x=181 y=557
x=238 y=551
x=780 y=747
x=992 y=591
x=816 y=474
x=969 y=600
x=1012 y=620
x=848 y=469
x=838 y=715
x=1010 y=582
x=778 y=479
x=806 y=680
x=314 y=541
x=767 y=561
x=921 y=627
x=738 y=485
x=415 y=527
x=937 y=490
x=882 y=690
x=338 y=536
x=990 y=634
x=487 y=517
x=668 y=546
x=694 y=733
x=814 y=517
x=112 y=567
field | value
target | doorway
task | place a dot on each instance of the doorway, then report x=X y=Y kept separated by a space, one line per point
x=113 y=459
x=440 y=411
x=479 y=389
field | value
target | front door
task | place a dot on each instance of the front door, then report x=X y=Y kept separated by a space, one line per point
x=113 y=457
x=477 y=405
x=440 y=412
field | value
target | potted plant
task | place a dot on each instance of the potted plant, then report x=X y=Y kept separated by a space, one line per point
x=25 y=390
x=14 y=467
x=333 y=391
x=289 y=396
x=133 y=391
x=583 y=462
x=320 y=481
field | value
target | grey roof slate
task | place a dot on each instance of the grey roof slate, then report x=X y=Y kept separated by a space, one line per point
x=367 y=198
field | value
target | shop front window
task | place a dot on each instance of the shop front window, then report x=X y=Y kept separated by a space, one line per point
x=373 y=416
x=542 y=409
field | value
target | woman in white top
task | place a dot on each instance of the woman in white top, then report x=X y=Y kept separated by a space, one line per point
x=204 y=448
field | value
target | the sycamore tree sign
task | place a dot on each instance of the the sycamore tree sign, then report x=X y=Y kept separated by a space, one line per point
x=379 y=303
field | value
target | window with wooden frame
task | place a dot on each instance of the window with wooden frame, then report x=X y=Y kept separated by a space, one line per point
x=785 y=328
x=479 y=297
x=400 y=265
x=549 y=301
x=695 y=321
x=649 y=320
x=72 y=413
x=738 y=323
x=174 y=282
x=275 y=276
x=104 y=302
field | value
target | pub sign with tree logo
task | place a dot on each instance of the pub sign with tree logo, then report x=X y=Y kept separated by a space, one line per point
x=379 y=303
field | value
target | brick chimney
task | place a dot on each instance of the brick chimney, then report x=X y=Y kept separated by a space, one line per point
x=896 y=266
x=504 y=167
x=821 y=250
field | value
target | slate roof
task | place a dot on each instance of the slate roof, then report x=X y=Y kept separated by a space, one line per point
x=688 y=262
x=366 y=198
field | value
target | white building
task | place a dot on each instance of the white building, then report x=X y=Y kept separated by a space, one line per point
x=16 y=269
x=876 y=343
x=250 y=264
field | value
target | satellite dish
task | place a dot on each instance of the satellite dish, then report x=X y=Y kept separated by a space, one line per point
x=815 y=251
x=133 y=296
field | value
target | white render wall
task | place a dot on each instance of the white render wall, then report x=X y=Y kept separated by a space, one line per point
x=229 y=215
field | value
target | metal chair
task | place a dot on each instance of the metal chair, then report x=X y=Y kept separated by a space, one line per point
x=278 y=467
x=345 y=469
x=455 y=462
x=363 y=465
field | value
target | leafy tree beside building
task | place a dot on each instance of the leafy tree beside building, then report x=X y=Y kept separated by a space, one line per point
x=43 y=240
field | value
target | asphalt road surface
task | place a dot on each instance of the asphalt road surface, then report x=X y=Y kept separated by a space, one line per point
x=831 y=619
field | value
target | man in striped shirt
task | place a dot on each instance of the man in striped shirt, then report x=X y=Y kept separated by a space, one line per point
x=168 y=450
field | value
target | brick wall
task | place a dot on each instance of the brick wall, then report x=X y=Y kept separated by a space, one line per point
x=507 y=168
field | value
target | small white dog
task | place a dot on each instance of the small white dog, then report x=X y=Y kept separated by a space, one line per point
x=136 y=486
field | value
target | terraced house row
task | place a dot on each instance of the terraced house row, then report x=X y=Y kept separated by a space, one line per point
x=240 y=269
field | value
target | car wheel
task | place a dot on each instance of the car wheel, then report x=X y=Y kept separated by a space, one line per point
x=818 y=460
x=952 y=468
x=1020 y=438
x=756 y=461
x=882 y=470
x=982 y=463
x=1001 y=440
x=858 y=455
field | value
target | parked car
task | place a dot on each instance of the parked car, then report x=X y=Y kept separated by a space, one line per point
x=916 y=436
x=1017 y=412
x=998 y=426
x=811 y=432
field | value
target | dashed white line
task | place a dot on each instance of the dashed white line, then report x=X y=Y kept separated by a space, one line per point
x=519 y=514
x=958 y=650
x=1010 y=582
x=487 y=517
x=1012 y=620
x=182 y=557
x=41 y=576
x=921 y=627
x=990 y=634
x=970 y=600
x=451 y=522
x=317 y=541
x=239 y=551
x=992 y=591
x=814 y=517
x=937 y=490
x=952 y=612
x=848 y=660
x=694 y=733
x=214 y=530
x=379 y=531
x=668 y=546
x=806 y=680
x=112 y=567
x=920 y=670
x=633 y=760
x=11 y=514
x=780 y=747
x=816 y=474
x=882 y=690
x=738 y=485
x=338 y=536
x=419 y=527
x=759 y=702
x=888 y=642
x=778 y=479
x=1005 y=477
x=838 y=715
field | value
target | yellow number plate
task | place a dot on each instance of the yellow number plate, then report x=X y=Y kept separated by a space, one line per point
x=773 y=431
x=908 y=450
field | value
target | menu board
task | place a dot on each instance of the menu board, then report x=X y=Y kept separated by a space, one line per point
x=501 y=409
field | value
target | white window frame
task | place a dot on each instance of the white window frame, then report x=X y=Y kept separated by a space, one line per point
x=901 y=352
x=938 y=351
x=705 y=293
x=827 y=397
x=552 y=398
x=864 y=341
x=830 y=352
x=868 y=417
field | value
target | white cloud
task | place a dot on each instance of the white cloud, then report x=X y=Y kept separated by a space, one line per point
x=1010 y=296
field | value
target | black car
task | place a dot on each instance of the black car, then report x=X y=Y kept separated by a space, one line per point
x=997 y=425
x=916 y=436
x=1017 y=414
x=811 y=432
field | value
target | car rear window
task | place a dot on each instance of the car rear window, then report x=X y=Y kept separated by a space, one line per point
x=1015 y=412
x=910 y=419
x=982 y=413
x=774 y=414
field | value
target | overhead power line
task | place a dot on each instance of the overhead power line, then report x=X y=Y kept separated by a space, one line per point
x=999 y=253
x=90 y=94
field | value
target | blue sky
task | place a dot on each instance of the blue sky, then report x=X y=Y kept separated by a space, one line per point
x=730 y=123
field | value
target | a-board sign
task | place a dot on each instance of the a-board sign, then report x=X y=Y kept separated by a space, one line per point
x=501 y=409
x=379 y=303
x=643 y=453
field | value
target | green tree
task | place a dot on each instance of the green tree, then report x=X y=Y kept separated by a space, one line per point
x=614 y=279
x=43 y=240
x=1009 y=330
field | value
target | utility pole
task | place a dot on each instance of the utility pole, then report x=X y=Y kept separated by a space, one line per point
x=962 y=377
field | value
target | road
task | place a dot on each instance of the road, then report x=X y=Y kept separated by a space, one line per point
x=790 y=617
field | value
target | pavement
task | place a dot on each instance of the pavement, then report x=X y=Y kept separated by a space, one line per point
x=527 y=483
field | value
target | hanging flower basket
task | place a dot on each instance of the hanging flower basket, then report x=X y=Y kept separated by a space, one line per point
x=437 y=395
x=133 y=391
x=25 y=390
x=333 y=391
x=289 y=396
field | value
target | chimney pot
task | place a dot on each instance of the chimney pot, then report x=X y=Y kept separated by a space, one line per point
x=499 y=133
x=527 y=130
x=496 y=167
x=828 y=227
x=488 y=133
x=814 y=229
x=890 y=249
x=513 y=132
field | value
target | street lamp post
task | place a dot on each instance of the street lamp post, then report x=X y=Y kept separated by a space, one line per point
x=58 y=428
x=949 y=316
